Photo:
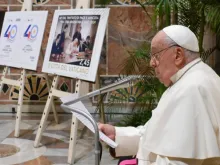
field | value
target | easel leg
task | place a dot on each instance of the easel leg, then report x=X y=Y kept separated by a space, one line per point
x=80 y=88
x=73 y=138
x=54 y=112
x=73 y=131
x=45 y=113
x=52 y=104
x=20 y=103
x=3 y=76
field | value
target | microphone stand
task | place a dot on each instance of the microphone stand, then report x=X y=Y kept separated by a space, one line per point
x=90 y=118
x=126 y=82
x=123 y=83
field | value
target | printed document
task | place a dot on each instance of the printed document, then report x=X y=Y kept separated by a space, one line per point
x=79 y=106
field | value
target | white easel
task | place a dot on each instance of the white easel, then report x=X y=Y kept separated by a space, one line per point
x=81 y=88
x=27 y=6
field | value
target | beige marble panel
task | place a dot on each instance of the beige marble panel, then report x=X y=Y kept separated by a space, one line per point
x=128 y=28
x=8 y=150
x=42 y=160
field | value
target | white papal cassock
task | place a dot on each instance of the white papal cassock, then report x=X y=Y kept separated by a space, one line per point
x=184 y=128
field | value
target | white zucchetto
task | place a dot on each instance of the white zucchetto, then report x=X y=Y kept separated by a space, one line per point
x=183 y=36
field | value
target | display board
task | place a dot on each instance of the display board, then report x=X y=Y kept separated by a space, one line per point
x=36 y=2
x=130 y=2
x=21 y=38
x=75 y=43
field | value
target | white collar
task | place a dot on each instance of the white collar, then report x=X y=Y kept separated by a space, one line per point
x=182 y=71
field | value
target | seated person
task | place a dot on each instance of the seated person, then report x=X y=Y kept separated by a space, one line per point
x=73 y=48
x=86 y=46
x=185 y=126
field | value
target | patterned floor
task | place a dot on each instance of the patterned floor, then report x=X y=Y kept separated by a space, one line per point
x=55 y=143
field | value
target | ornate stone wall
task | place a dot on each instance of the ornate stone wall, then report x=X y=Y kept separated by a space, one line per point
x=129 y=26
x=36 y=89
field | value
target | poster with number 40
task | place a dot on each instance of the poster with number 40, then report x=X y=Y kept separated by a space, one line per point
x=21 y=38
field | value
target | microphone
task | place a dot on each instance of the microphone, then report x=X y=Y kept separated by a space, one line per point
x=124 y=83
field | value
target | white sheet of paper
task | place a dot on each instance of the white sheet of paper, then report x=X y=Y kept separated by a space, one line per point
x=80 y=107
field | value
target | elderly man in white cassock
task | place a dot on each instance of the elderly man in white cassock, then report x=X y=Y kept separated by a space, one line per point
x=184 y=127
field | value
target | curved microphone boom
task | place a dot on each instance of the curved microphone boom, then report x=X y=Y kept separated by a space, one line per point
x=126 y=82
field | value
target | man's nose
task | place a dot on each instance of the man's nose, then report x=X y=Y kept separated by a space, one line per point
x=152 y=63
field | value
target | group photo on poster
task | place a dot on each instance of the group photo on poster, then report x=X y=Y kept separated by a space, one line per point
x=75 y=43
x=74 y=39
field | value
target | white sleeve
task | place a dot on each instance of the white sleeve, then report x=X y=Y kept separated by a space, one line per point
x=162 y=160
x=128 y=139
x=69 y=49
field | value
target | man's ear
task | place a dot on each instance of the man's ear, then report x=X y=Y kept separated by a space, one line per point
x=179 y=57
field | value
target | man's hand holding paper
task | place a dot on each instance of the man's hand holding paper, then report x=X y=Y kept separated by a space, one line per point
x=80 y=107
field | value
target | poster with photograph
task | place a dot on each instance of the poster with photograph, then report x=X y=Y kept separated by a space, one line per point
x=75 y=43
x=21 y=38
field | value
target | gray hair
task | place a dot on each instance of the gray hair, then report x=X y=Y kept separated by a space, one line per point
x=190 y=55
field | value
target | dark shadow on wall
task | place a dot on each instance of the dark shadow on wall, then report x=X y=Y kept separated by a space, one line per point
x=2 y=15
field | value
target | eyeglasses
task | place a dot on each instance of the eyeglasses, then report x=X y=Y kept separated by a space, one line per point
x=156 y=55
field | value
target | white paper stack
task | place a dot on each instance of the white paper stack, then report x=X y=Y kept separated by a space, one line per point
x=79 y=106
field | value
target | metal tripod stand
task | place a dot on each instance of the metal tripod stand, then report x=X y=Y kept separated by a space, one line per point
x=90 y=118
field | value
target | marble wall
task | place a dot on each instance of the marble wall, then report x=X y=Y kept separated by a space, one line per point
x=36 y=89
x=128 y=28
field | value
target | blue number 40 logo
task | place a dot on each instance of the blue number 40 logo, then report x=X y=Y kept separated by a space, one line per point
x=31 y=32
x=11 y=32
